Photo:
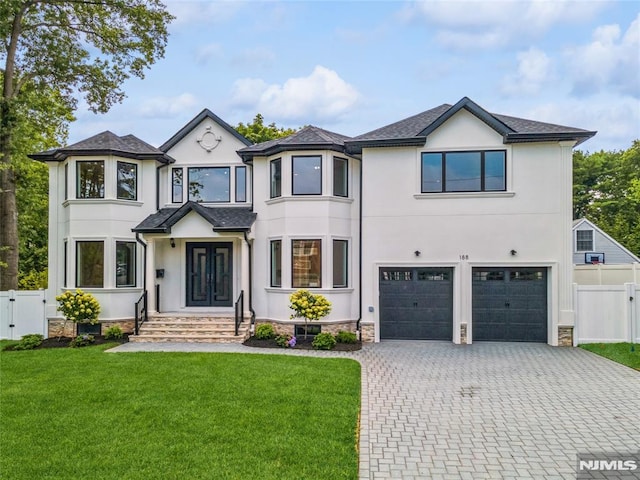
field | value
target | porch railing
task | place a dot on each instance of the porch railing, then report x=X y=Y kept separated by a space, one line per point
x=141 y=312
x=239 y=308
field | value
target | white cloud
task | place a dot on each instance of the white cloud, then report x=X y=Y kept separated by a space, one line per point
x=534 y=71
x=610 y=62
x=481 y=24
x=322 y=95
x=167 y=106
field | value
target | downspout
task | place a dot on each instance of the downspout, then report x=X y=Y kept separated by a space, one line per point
x=250 y=293
x=144 y=261
x=358 y=326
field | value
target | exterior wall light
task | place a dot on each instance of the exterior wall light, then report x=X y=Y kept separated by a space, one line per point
x=417 y=253
x=172 y=242
x=513 y=253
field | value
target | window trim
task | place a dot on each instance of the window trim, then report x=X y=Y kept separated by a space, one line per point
x=293 y=183
x=593 y=241
x=227 y=167
x=275 y=192
x=443 y=174
x=344 y=161
x=78 y=179
x=135 y=165
x=345 y=242
x=66 y=181
x=271 y=272
x=77 y=253
x=293 y=240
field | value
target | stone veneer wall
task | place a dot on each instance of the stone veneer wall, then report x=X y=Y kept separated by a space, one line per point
x=333 y=328
x=565 y=336
x=55 y=327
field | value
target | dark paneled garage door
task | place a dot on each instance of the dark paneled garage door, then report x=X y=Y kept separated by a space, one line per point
x=510 y=304
x=416 y=303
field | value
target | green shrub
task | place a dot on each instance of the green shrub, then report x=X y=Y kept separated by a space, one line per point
x=114 y=332
x=286 y=341
x=82 y=341
x=29 y=342
x=324 y=341
x=346 y=337
x=265 y=331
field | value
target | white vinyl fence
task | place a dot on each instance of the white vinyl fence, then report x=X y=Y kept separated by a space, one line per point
x=607 y=313
x=21 y=313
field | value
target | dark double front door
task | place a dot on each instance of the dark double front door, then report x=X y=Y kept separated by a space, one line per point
x=209 y=274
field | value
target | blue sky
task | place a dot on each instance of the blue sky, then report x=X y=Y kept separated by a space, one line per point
x=351 y=67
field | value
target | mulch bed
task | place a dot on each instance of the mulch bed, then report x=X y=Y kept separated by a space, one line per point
x=301 y=344
x=63 y=342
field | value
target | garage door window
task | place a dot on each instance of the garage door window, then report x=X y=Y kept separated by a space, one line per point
x=396 y=275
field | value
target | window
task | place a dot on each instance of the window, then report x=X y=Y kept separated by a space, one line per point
x=276 y=178
x=66 y=181
x=276 y=263
x=64 y=264
x=127 y=181
x=340 y=176
x=241 y=184
x=584 y=240
x=307 y=175
x=90 y=264
x=306 y=264
x=90 y=179
x=176 y=185
x=125 y=264
x=209 y=184
x=340 y=263
x=483 y=171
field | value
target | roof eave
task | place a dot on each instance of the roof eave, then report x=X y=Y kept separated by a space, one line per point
x=356 y=146
x=578 y=137
x=248 y=156
x=62 y=154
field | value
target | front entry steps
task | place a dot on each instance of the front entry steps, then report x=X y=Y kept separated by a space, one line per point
x=203 y=328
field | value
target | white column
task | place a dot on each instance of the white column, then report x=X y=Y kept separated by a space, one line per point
x=565 y=265
x=150 y=275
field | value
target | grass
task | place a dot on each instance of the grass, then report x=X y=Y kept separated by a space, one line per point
x=82 y=413
x=618 y=352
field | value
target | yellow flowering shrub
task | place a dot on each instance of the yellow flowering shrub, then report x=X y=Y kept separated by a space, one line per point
x=308 y=305
x=78 y=306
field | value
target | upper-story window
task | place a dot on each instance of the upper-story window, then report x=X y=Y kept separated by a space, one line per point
x=340 y=177
x=478 y=171
x=276 y=177
x=127 y=188
x=176 y=185
x=307 y=175
x=584 y=240
x=241 y=184
x=90 y=179
x=209 y=184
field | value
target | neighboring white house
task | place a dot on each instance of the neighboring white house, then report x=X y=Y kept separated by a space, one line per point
x=592 y=245
x=453 y=224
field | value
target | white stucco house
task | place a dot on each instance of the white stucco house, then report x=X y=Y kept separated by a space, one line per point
x=454 y=224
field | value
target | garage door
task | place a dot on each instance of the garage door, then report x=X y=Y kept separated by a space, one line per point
x=416 y=303
x=510 y=304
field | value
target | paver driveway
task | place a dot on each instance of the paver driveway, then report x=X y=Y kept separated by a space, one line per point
x=491 y=410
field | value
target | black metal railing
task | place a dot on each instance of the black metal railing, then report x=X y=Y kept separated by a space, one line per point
x=141 y=312
x=239 y=307
x=158 y=298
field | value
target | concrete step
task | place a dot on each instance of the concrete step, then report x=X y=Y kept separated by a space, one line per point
x=191 y=328
x=188 y=338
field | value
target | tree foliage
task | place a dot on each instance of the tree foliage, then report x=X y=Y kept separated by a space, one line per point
x=66 y=48
x=606 y=190
x=258 y=132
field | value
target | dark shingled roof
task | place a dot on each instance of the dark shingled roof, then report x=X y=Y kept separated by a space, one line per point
x=106 y=143
x=221 y=218
x=413 y=131
x=308 y=138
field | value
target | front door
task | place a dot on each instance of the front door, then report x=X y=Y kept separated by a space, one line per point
x=209 y=274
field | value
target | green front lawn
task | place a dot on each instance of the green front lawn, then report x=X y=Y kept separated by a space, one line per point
x=618 y=352
x=82 y=413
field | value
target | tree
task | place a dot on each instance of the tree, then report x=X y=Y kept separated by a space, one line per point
x=258 y=132
x=606 y=189
x=67 y=48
